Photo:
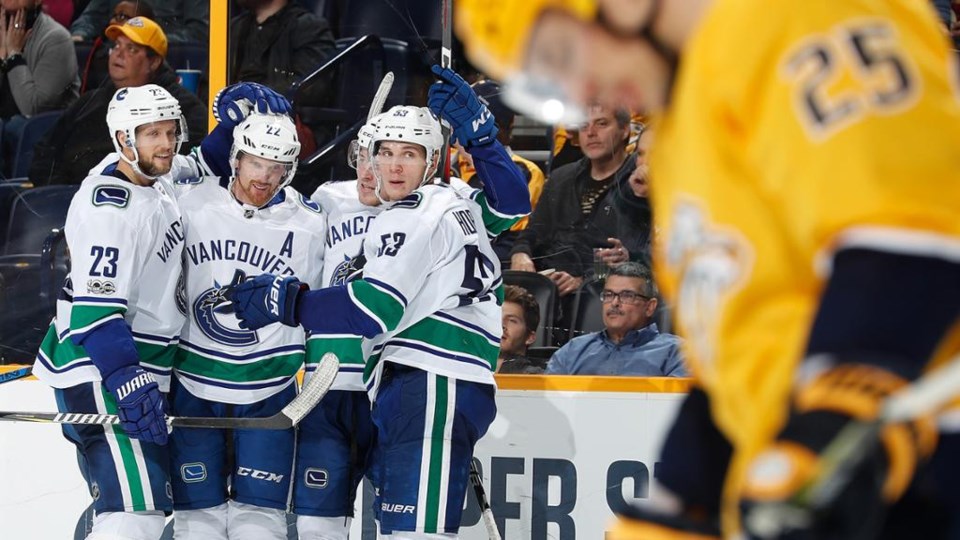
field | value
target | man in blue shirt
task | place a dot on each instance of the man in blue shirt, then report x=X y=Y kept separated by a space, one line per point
x=630 y=344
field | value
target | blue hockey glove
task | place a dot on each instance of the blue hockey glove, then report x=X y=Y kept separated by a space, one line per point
x=140 y=404
x=236 y=101
x=453 y=100
x=266 y=299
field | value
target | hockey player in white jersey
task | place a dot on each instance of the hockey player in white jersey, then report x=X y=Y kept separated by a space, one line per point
x=335 y=440
x=111 y=346
x=246 y=224
x=428 y=307
x=117 y=320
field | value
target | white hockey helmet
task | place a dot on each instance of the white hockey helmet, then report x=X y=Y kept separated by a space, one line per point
x=363 y=140
x=135 y=106
x=269 y=136
x=406 y=123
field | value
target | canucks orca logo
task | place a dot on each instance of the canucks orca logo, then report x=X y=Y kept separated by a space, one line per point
x=349 y=270
x=214 y=315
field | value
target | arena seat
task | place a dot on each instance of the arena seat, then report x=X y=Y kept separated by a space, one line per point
x=33 y=130
x=587 y=309
x=30 y=270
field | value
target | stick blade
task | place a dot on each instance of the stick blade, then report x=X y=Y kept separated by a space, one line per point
x=277 y=421
x=314 y=389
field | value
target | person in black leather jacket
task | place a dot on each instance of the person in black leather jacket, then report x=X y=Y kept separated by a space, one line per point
x=587 y=205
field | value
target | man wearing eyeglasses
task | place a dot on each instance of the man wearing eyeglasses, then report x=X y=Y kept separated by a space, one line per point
x=630 y=343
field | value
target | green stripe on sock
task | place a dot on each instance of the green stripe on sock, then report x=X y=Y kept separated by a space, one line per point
x=128 y=457
x=434 y=476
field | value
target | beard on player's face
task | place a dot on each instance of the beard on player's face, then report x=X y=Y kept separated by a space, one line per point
x=153 y=167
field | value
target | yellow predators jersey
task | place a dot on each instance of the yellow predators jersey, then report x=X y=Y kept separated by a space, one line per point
x=795 y=129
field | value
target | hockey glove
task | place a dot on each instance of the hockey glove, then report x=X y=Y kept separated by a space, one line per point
x=235 y=102
x=452 y=99
x=266 y=299
x=782 y=495
x=140 y=404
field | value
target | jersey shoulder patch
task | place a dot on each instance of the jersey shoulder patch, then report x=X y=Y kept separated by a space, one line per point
x=189 y=181
x=111 y=195
x=309 y=204
x=409 y=202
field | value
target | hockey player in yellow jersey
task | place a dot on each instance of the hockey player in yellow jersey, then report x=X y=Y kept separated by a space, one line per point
x=806 y=186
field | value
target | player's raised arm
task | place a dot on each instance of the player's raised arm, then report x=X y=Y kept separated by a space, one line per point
x=505 y=198
x=230 y=107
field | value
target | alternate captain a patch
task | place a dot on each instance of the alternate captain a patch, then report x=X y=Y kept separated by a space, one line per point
x=118 y=196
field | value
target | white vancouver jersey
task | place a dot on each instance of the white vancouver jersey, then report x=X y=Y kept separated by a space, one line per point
x=227 y=241
x=432 y=282
x=347 y=223
x=125 y=244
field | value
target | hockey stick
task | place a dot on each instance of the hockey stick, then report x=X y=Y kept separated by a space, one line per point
x=850 y=447
x=18 y=373
x=492 y=532
x=446 y=59
x=376 y=106
x=311 y=393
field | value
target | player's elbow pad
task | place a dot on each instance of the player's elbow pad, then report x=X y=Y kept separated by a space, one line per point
x=503 y=182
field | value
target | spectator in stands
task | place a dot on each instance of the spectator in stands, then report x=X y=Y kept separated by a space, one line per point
x=630 y=343
x=521 y=317
x=637 y=207
x=581 y=208
x=489 y=93
x=95 y=70
x=38 y=68
x=183 y=21
x=71 y=149
x=277 y=43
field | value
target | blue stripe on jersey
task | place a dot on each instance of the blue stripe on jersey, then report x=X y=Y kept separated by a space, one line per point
x=165 y=372
x=253 y=355
x=42 y=358
x=389 y=288
x=98 y=300
x=234 y=386
x=475 y=328
x=151 y=337
x=419 y=346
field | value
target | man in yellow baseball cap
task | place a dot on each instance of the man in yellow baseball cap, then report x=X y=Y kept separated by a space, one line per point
x=141 y=31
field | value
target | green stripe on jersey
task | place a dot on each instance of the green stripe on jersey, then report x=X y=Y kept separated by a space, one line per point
x=455 y=339
x=435 y=471
x=493 y=222
x=84 y=316
x=131 y=469
x=384 y=306
x=62 y=353
x=161 y=356
x=348 y=350
x=271 y=367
